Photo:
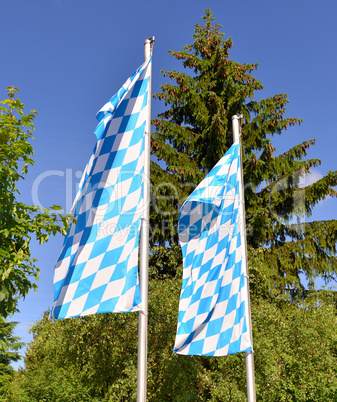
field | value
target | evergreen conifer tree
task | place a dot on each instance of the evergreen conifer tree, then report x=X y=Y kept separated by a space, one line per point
x=9 y=351
x=194 y=133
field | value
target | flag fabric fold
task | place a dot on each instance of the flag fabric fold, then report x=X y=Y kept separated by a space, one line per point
x=213 y=304
x=97 y=270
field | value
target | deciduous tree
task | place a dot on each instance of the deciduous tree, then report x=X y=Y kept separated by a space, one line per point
x=18 y=221
x=95 y=357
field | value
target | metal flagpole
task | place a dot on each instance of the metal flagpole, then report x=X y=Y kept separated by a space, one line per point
x=250 y=376
x=144 y=249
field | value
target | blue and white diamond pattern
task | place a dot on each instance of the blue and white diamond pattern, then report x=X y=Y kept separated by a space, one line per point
x=97 y=270
x=213 y=303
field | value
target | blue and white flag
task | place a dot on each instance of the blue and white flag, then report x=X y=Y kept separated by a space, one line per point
x=213 y=302
x=97 y=271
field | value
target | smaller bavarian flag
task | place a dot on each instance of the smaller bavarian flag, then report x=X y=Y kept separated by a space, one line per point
x=97 y=271
x=213 y=305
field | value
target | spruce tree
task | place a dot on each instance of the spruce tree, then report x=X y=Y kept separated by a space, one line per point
x=195 y=131
x=9 y=351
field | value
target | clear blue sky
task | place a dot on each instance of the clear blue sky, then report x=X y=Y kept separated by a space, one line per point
x=68 y=57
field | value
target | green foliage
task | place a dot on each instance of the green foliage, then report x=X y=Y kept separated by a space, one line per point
x=95 y=357
x=9 y=352
x=47 y=384
x=295 y=355
x=18 y=221
x=196 y=130
x=295 y=349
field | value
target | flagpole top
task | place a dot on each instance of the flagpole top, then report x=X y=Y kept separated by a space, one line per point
x=149 y=40
x=148 y=46
x=236 y=127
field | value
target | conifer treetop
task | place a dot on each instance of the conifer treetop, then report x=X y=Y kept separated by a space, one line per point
x=195 y=131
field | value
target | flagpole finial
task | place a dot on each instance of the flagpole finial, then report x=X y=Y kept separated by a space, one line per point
x=236 y=126
x=149 y=41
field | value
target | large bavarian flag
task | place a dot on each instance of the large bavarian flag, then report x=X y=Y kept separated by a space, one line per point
x=97 y=270
x=213 y=307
